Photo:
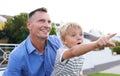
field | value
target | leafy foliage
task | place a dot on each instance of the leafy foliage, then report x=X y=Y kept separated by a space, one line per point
x=15 y=28
x=53 y=31
x=16 y=31
x=117 y=47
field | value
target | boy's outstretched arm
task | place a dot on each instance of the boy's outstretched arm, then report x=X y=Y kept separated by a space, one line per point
x=81 y=49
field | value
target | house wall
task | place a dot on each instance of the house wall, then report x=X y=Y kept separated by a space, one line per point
x=94 y=58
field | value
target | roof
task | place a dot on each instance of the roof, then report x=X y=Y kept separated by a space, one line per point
x=90 y=36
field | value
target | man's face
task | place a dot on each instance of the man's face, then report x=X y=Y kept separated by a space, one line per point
x=40 y=25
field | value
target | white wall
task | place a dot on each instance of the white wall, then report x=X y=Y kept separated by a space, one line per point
x=99 y=57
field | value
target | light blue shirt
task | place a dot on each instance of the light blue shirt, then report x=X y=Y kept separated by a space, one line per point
x=25 y=60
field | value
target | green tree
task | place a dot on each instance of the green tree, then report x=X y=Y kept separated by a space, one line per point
x=16 y=31
x=15 y=28
x=116 y=49
x=53 y=31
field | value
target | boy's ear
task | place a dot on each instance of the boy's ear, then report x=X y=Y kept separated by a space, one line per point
x=63 y=40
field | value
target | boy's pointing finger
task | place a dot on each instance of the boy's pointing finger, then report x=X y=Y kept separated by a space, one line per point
x=110 y=36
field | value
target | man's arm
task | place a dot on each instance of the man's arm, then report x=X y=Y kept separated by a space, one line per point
x=13 y=67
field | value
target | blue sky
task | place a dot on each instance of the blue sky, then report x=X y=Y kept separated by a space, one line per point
x=101 y=15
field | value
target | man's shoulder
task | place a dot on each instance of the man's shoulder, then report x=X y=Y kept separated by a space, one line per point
x=54 y=40
x=53 y=37
x=19 y=50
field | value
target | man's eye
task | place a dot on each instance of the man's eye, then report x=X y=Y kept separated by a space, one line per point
x=42 y=21
x=49 y=21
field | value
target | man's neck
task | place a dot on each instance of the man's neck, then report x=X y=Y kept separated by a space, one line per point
x=39 y=44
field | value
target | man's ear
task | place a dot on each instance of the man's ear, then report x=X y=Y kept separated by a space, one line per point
x=28 y=24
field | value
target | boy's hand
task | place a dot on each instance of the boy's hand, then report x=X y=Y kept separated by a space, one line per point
x=104 y=41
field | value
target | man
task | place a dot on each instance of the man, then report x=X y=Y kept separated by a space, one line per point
x=35 y=56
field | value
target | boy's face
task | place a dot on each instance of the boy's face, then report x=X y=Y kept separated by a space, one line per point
x=73 y=37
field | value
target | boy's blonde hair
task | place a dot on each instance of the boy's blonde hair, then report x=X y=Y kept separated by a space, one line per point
x=64 y=28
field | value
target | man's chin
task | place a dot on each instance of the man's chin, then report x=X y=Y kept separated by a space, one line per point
x=45 y=37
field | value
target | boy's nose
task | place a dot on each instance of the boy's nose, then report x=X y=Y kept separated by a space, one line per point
x=80 y=37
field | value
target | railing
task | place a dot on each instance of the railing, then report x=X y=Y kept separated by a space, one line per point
x=5 y=50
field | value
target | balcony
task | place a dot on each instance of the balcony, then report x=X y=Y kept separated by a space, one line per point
x=5 y=50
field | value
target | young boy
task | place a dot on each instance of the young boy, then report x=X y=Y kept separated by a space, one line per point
x=69 y=58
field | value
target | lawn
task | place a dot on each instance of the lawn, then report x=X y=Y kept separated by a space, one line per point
x=104 y=74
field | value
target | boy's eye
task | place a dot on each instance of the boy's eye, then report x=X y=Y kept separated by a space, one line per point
x=73 y=35
x=81 y=34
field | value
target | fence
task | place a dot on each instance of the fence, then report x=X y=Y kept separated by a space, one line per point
x=5 y=50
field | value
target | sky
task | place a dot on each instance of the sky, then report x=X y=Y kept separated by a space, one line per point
x=98 y=15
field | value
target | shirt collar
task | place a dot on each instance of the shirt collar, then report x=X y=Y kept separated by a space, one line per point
x=30 y=47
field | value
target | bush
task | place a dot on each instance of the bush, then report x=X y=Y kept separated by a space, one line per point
x=116 y=49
